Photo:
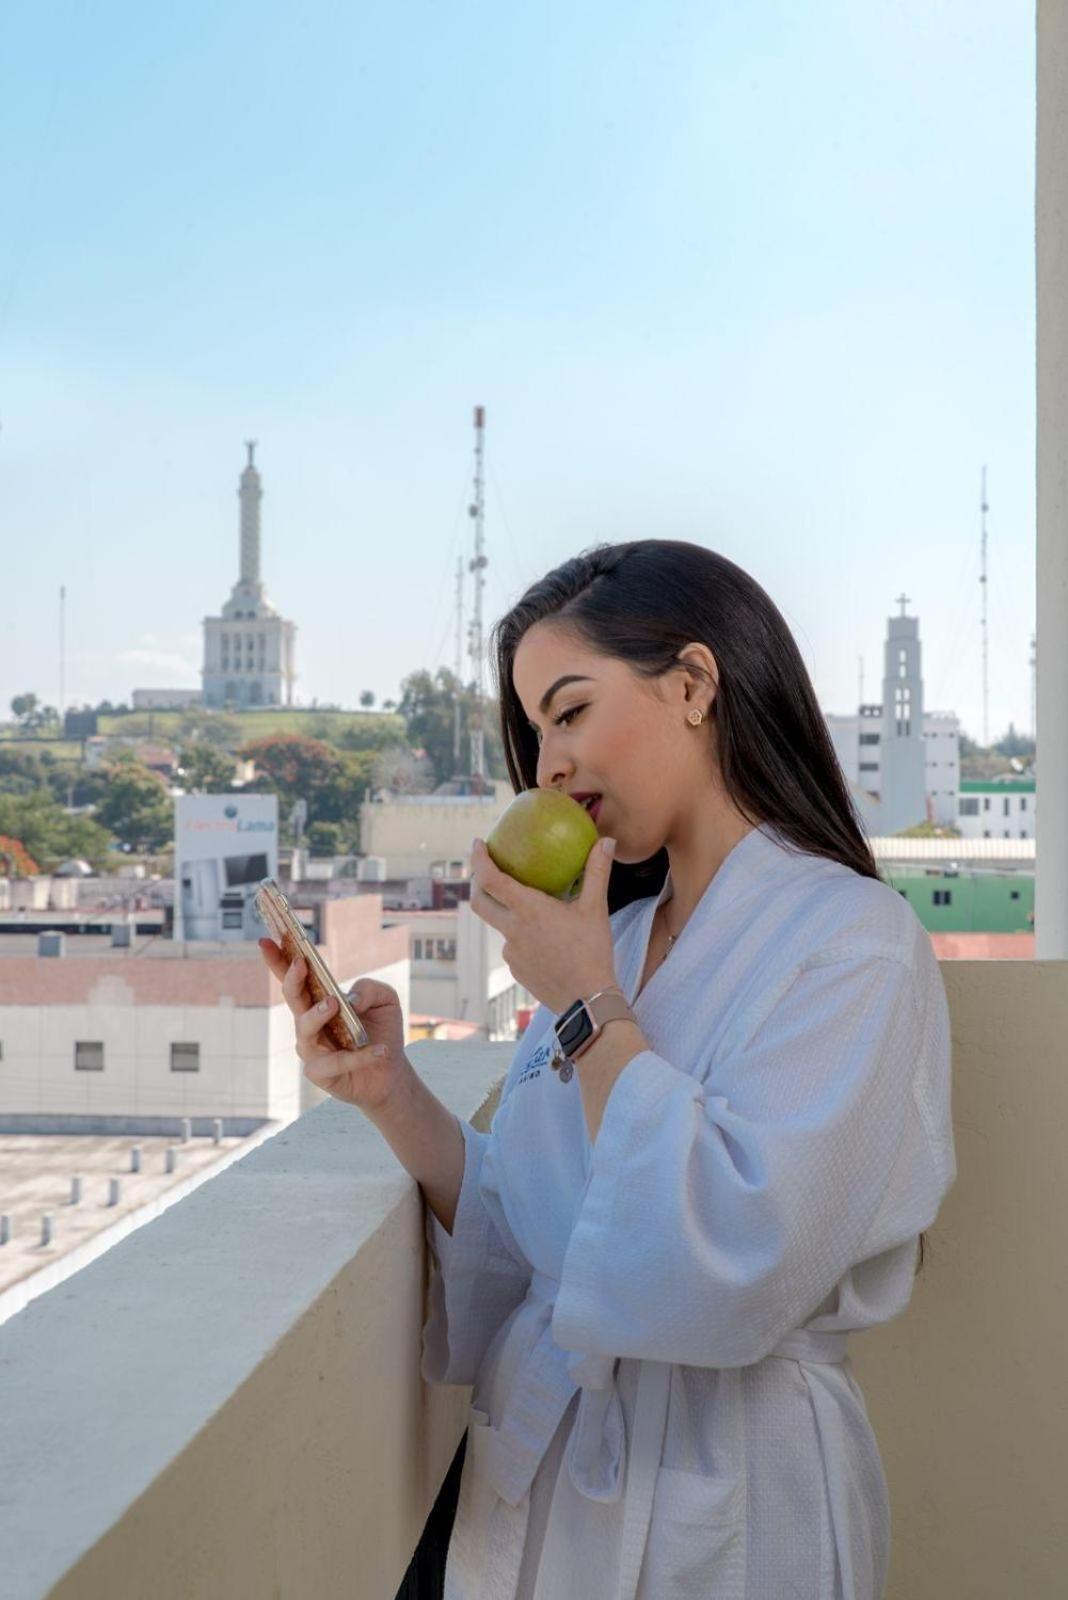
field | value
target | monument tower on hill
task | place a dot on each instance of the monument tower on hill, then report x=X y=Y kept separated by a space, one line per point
x=248 y=650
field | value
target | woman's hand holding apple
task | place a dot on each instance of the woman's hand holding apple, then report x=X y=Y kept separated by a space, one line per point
x=558 y=950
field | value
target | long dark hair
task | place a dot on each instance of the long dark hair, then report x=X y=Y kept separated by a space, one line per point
x=642 y=603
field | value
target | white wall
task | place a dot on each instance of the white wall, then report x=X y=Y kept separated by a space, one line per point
x=236 y=1076
x=1001 y=815
x=411 y=832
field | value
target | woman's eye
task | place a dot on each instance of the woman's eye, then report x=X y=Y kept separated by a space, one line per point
x=565 y=717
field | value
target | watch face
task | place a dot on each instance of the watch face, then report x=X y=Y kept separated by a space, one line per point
x=573 y=1027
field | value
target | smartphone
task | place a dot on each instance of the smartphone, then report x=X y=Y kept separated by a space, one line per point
x=344 y=1030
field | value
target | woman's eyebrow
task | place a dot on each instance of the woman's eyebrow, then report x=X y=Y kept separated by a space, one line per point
x=570 y=677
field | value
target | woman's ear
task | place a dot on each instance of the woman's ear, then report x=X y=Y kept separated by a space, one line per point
x=700 y=680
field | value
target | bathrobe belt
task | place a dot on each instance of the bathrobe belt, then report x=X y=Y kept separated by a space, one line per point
x=596 y=1451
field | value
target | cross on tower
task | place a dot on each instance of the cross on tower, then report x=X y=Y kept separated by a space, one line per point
x=902 y=601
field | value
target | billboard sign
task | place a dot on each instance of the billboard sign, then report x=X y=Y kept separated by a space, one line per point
x=224 y=845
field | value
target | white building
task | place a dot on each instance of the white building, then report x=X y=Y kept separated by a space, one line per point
x=413 y=833
x=902 y=763
x=130 y=1040
x=997 y=809
x=165 y=699
x=249 y=649
x=458 y=971
x=858 y=745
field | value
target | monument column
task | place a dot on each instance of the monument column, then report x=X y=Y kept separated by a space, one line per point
x=250 y=493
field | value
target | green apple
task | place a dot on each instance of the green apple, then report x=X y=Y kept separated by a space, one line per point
x=543 y=840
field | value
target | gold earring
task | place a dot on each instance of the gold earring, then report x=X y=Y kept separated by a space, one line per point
x=695 y=717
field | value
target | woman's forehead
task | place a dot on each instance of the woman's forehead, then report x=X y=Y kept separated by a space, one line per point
x=545 y=654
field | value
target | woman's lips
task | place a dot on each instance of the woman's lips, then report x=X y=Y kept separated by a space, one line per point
x=595 y=809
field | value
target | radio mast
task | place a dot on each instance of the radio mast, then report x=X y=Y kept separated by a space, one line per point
x=477 y=510
x=984 y=508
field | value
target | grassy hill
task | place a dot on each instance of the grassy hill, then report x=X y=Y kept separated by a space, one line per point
x=313 y=723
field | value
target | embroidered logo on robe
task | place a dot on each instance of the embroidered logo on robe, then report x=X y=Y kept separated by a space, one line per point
x=535 y=1064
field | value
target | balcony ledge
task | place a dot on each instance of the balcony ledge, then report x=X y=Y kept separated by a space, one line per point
x=242 y=1367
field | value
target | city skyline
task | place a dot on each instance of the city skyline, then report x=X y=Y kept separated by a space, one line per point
x=763 y=280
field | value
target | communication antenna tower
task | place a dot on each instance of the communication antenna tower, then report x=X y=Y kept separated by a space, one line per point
x=984 y=508
x=477 y=510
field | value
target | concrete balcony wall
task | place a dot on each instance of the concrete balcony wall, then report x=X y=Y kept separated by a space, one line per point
x=229 y=1402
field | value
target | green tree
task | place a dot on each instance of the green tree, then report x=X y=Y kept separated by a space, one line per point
x=367 y=698
x=24 y=707
x=372 y=733
x=49 y=833
x=291 y=766
x=340 y=799
x=326 y=839
x=205 y=770
x=135 y=805
x=21 y=771
x=428 y=705
x=1020 y=745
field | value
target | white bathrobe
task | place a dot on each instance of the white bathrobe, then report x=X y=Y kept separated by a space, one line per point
x=655 y=1326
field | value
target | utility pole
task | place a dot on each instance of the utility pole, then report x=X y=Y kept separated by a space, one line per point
x=62 y=652
x=477 y=510
x=984 y=508
x=459 y=663
x=1034 y=667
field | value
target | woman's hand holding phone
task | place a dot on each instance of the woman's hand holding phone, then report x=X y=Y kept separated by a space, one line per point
x=365 y=1078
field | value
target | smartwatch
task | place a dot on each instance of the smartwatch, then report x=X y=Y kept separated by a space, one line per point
x=578 y=1026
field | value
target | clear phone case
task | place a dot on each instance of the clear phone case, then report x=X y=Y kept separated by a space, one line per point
x=344 y=1030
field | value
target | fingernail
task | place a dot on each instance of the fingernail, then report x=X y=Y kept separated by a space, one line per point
x=324 y=1005
x=608 y=846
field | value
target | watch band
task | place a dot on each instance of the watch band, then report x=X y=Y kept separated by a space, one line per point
x=583 y=1021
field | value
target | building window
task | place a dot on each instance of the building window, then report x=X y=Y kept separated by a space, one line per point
x=986 y=804
x=968 y=806
x=869 y=738
x=88 y=1056
x=1023 y=802
x=446 y=949
x=185 y=1058
x=942 y=897
x=986 y=833
x=1 y=1049
x=1014 y=894
x=417 y=949
x=1005 y=805
x=1023 y=833
x=869 y=766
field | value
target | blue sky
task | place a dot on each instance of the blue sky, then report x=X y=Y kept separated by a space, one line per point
x=754 y=274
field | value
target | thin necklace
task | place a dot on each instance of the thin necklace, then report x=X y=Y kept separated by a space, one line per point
x=671 y=938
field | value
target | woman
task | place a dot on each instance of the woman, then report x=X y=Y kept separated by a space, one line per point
x=650 y=1266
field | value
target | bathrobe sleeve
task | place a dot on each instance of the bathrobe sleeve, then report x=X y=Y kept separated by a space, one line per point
x=720 y=1214
x=478 y=1275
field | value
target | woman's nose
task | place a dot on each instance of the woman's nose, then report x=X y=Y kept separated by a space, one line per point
x=552 y=770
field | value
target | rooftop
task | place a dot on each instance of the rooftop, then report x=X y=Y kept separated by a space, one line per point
x=35 y=1178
